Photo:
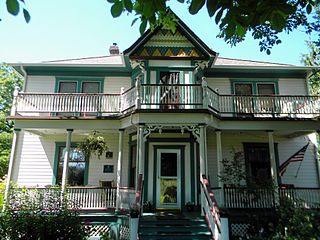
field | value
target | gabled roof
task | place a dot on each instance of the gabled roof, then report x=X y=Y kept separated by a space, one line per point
x=164 y=44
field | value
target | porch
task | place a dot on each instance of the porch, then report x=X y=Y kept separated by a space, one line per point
x=164 y=97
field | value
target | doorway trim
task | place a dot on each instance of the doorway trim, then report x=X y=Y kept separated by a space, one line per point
x=181 y=148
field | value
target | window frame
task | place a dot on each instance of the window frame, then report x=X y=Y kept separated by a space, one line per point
x=79 y=81
x=58 y=145
x=254 y=83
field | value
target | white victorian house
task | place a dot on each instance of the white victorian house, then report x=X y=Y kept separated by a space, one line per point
x=175 y=113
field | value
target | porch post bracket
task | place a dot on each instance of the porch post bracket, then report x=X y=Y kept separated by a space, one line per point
x=194 y=129
x=201 y=65
x=151 y=128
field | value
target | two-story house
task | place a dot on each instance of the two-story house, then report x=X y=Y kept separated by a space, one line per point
x=172 y=111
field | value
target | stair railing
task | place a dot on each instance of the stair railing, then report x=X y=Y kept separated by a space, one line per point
x=134 y=222
x=210 y=209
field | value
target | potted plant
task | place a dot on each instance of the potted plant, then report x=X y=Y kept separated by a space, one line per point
x=93 y=144
x=147 y=207
x=190 y=206
x=134 y=211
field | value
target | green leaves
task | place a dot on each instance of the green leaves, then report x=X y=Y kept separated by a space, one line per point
x=143 y=26
x=26 y=15
x=13 y=7
x=116 y=9
x=212 y=6
x=195 y=6
x=128 y=5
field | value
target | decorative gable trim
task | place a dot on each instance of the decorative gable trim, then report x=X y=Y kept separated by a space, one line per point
x=164 y=44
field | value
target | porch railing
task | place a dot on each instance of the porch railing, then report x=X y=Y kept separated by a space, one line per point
x=210 y=209
x=165 y=97
x=83 y=198
x=235 y=197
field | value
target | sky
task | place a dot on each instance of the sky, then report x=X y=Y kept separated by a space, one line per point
x=64 y=29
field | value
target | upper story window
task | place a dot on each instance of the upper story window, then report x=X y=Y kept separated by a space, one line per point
x=255 y=88
x=79 y=85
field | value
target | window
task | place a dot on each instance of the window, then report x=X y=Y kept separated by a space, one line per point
x=79 y=86
x=254 y=87
x=258 y=163
x=77 y=166
x=74 y=105
x=260 y=103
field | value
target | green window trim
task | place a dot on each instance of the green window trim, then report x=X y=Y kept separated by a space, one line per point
x=254 y=83
x=79 y=81
x=56 y=163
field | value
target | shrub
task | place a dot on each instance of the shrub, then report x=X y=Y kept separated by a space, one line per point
x=40 y=215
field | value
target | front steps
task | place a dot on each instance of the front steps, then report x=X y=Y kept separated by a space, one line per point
x=173 y=226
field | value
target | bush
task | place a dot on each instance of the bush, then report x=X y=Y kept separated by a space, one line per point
x=39 y=220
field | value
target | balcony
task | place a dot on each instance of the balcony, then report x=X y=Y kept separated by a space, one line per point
x=165 y=98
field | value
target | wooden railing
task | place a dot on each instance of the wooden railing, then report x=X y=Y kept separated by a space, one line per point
x=67 y=103
x=174 y=96
x=235 y=197
x=165 y=97
x=285 y=105
x=83 y=198
x=210 y=209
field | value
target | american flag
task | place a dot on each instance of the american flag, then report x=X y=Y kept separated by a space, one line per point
x=297 y=157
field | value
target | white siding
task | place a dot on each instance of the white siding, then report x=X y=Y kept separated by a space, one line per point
x=221 y=84
x=306 y=176
x=292 y=86
x=42 y=84
x=35 y=156
x=113 y=85
x=34 y=160
x=96 y=165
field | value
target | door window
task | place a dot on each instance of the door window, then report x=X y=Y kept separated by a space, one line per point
x=168 y=183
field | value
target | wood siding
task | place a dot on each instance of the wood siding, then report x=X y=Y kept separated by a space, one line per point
x=233 y=142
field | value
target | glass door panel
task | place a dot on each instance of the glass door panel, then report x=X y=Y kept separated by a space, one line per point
x=67 y=87
x=266 y=104
x=91 y=104
x=168 y=184
x=243 y=101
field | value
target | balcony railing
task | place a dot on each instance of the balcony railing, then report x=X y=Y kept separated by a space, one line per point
x=235 y=197
x=165 y=97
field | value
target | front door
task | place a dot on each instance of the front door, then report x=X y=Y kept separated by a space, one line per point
x=168 y=192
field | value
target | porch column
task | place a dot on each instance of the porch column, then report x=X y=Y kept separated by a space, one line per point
x=140 y=153
x=66 y=161
x=219 y=155
x=272 y=154
x=16 y=134
x=202 y=147
x=121 y=131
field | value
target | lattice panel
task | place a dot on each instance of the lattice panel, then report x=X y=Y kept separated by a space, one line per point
x=239 y=229
x=124 y=232
x=98 y=230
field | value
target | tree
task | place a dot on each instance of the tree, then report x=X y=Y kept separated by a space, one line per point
x=264 y=19
x=8 y=80
x=313 y=57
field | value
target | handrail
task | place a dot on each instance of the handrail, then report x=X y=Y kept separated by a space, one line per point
x=210 y=209
x=138 y=201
